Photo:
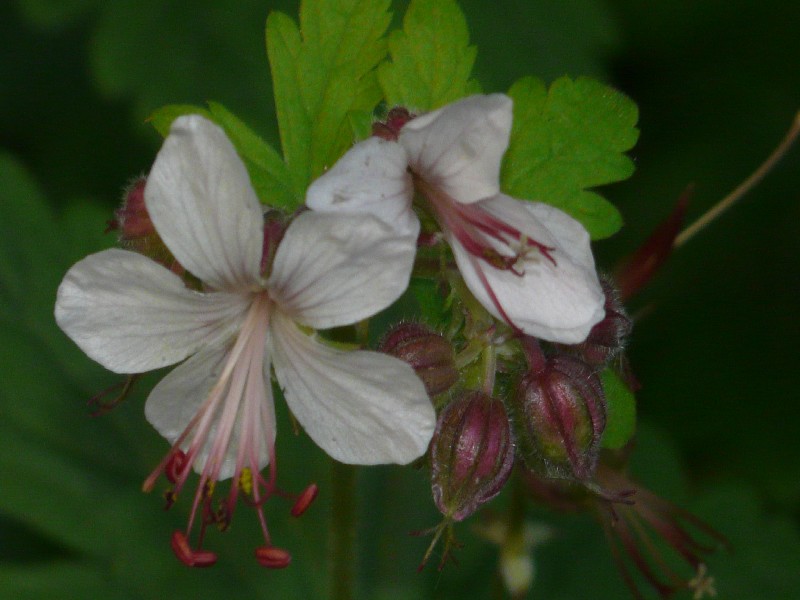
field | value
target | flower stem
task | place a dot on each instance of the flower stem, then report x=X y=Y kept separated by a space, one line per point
x=743 y=187
x=342 y=533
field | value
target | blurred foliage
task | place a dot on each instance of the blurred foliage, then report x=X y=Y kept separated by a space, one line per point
x=715 y=343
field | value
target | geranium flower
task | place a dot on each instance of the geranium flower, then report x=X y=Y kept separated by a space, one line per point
x=131 y=315
x=528 y=263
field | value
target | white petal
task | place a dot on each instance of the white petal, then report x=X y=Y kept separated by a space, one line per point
x=201 y=202
x=371 y=178
x=333 y=270
x=177 y=398
x=360 y=407
x=458 y=148
x=132 y=315
x=558 y=303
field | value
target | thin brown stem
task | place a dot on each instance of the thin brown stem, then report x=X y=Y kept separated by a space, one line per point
x=744 y=187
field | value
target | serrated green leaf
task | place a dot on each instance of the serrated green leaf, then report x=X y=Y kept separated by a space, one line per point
x=431 y=59
x=320 y=77
x=268 y=173
x=621 y=411
x=566 y=140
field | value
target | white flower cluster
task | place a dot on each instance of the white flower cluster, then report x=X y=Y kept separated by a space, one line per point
x=346 y=259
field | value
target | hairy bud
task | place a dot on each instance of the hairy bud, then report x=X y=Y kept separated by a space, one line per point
x=136 y=230
x=559 y=414
x=606 y=339
x=428 y=352
x=472 y=453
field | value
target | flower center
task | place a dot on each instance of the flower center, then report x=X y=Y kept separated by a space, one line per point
x=234 y=425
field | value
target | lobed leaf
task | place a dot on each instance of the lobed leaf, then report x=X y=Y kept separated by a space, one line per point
x=323 y=74
x=566 y=140
x=431 y=57
x=268 y=172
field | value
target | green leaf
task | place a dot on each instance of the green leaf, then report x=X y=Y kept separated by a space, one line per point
x=54 y=13
x=268 y=173
x=63 y=579
x=322 y=73
x=566 y=140
x=621 y=415
x=431 y=57
x=161 y=118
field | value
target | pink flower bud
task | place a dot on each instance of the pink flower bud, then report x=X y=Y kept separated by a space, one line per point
x=136 y=230
x=559 y=416
x=132 y=218
x=428 y=352
x=390 y=128
x=472 y=453
x=606 y=339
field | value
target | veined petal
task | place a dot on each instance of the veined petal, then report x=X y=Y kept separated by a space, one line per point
x=458 y=148
x=558 y=302
x=132 y=315
x=360 y=407
x=184 y=392
x=371 y=178
x=333 y=270
x=199 y=197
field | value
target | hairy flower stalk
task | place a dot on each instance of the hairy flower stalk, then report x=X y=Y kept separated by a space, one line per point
x=262 y=292
x=527 y=263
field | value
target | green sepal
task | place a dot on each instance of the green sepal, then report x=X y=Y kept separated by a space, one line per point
x=620 y=411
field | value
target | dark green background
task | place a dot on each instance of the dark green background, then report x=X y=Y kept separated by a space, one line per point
x=716 y=347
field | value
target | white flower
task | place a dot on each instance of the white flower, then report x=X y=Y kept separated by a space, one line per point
x=131 y=315
x=528 y=263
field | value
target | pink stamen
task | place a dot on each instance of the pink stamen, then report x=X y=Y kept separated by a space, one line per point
x=304 y=500
x=240 y=399
x=188 y=556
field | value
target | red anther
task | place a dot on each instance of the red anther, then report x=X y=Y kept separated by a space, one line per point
x=175 y=466
x=304 y=500
x=189 y=557
x=273 y=557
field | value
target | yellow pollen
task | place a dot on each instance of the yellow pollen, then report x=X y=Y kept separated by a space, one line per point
x=246 y=480
x=208 y=488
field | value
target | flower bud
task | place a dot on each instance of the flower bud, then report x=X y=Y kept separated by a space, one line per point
x=606 y=339
x=559 y=416
x=132 y=218
x=136 y=230
x=428 y=352
x=472 y=453
x=389 y=128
